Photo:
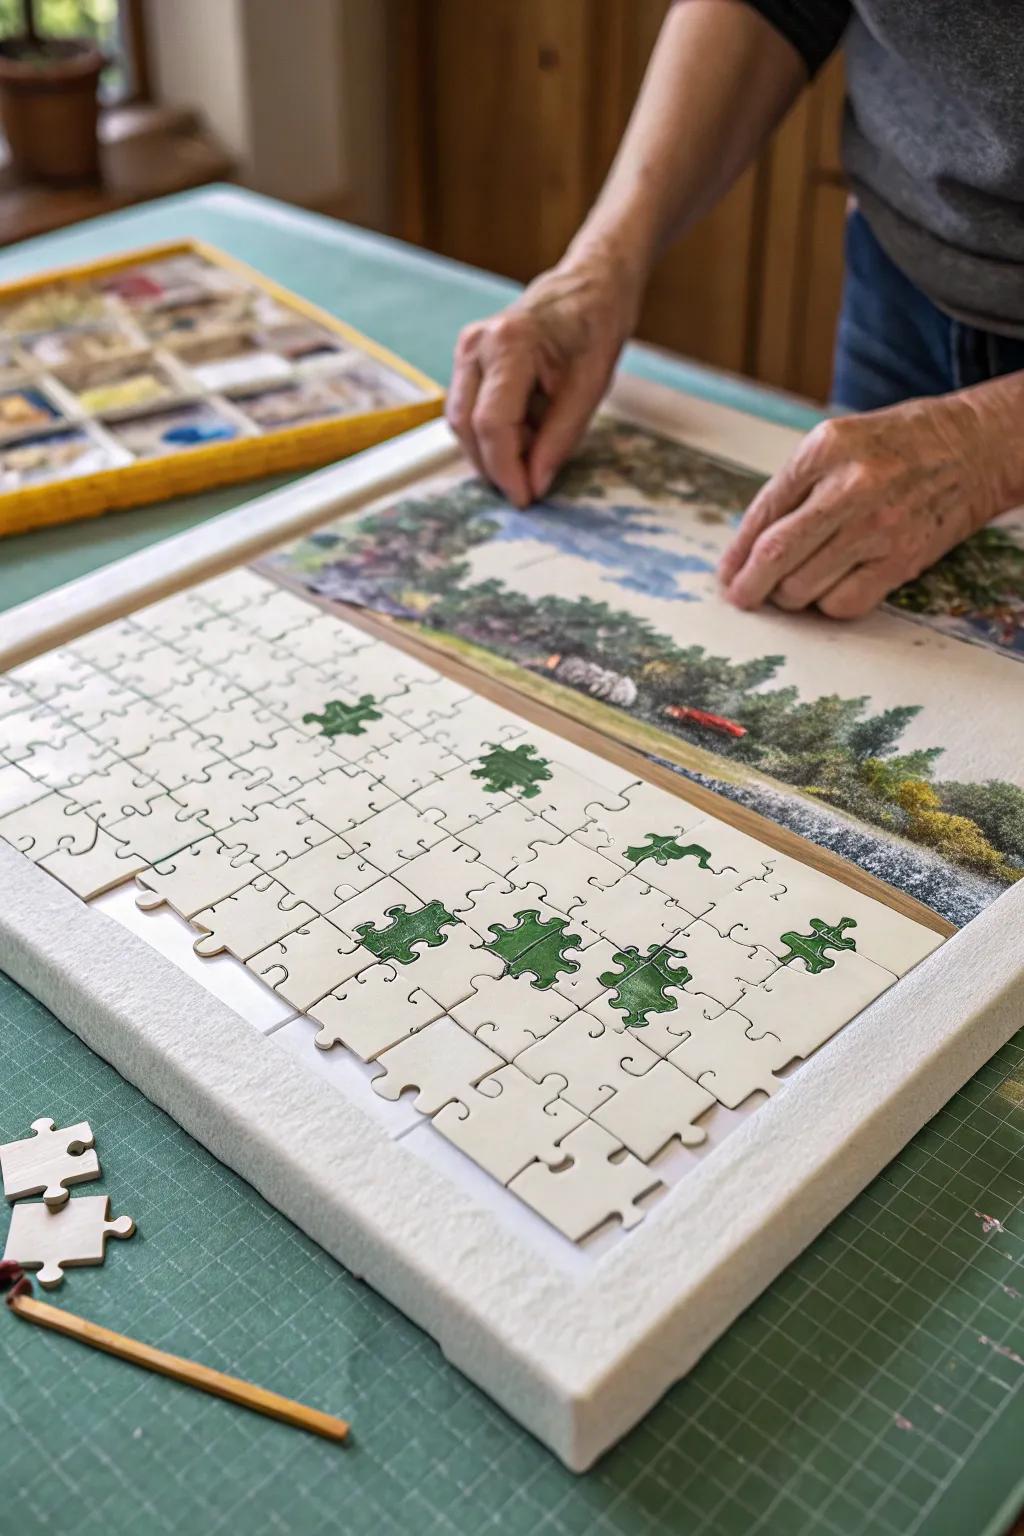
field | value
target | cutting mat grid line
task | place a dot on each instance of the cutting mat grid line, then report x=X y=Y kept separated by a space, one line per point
x=846 y=1401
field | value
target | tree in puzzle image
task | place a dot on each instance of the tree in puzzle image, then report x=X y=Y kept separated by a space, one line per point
x=512 y=768
x=643 y=982
x=811 y=947
x=532 y=946
x=407 y=929
x=340 y=719
x=664 y=849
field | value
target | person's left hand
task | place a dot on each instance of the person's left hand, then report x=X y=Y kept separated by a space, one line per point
x=865 y=503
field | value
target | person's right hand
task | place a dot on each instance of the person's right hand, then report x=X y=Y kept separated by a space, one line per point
x=527 y=381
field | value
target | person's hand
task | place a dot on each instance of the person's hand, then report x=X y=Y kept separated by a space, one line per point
x=527 y=381
x=865 y=504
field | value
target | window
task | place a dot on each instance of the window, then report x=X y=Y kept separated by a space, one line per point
x=115 y=26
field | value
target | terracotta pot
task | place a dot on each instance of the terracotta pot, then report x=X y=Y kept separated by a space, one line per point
x=49 y=107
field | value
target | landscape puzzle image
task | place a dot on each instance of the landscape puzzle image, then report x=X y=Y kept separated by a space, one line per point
x=606 y=592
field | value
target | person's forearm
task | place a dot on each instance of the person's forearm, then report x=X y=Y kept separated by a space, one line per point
x=718 y=82
x=997 y=408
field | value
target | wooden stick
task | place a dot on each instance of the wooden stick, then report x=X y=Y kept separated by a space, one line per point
x=187 y=1371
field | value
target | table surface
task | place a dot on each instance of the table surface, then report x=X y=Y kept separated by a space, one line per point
x=876 y=1387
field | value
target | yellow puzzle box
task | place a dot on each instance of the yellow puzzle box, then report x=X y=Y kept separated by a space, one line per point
x=173 y=369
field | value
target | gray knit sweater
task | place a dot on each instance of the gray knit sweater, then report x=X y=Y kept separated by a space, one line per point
x=933 y=138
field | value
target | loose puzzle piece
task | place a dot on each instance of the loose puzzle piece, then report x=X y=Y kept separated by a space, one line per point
x=52 y=1241
x=252 y=918
x=509 y=1013
x=594 y=1059
x=648 y=1110
x=372 y=1012
x=47 y=1161
x=508 y=1121
x=441 y=1062
x=599 y=1181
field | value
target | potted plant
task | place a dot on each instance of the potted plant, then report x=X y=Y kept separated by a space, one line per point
x=49 y=103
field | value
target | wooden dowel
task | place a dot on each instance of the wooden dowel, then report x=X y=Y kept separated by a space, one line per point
x=187 y=1371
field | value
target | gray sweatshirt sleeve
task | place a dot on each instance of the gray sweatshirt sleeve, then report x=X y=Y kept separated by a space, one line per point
x=814 y=27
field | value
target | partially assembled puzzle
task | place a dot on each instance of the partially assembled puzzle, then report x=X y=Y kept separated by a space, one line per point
x=567 y=966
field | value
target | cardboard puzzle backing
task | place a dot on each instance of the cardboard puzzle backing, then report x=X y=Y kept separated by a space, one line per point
x=565 y=965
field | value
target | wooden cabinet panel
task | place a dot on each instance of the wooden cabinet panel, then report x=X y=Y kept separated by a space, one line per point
x=509 y=114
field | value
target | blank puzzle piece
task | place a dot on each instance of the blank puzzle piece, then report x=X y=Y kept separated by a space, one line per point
x=52 y=1241
x=197 y=877
x=594 y=1059
x=508 y=1120
x=510 y=1013
x=372 y=1012
x=648 y=1110
x=599 y=1180
x=724 y=1057
x=246 y=922
x=441 y=1062
x=47 y=1161
x=308 y=963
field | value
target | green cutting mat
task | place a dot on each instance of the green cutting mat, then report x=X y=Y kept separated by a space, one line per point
x=851 y=1398
x=876 y=1389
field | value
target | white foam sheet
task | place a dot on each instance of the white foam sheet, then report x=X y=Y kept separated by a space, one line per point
x=577 y=1358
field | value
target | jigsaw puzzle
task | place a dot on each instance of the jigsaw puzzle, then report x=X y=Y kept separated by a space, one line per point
x=569 y=968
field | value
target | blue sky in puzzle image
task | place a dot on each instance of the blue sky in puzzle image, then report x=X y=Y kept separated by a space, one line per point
x=610 y=536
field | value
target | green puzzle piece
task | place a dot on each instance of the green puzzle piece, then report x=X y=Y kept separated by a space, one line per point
x=811 y=947
x=396 y=941
x=513 y=768
x=663 y=849
x=642 y=987
x=530 y=945
x=340 y=719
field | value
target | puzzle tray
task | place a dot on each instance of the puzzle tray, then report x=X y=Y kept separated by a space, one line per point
x=576 y=1358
